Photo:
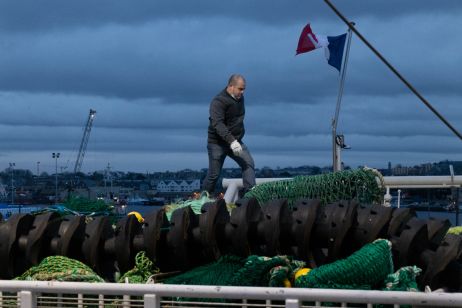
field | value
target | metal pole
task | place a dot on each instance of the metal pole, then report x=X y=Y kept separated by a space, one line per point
x=12 y=182
x=455 y=194
x=56 y=156
x=351 y=26
x=336 y=148
x=12 y=187
x=342 y=78
x=457 y=205
x=56 y=180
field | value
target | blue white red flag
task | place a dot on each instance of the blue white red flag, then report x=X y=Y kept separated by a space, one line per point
x=333 y=45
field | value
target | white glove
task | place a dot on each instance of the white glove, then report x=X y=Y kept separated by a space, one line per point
x=236 y=147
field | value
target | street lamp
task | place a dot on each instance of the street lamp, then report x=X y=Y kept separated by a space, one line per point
x=108 y=177
x=12 y=180
x=56 y=156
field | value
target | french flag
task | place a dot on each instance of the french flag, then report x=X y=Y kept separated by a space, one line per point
x=333 y=45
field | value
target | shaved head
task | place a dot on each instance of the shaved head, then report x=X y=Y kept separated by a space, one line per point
x=236 y=86
x=234 y=79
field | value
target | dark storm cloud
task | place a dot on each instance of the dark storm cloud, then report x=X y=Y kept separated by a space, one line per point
x=177 y=61
x=22 y=15
x=188 y=61
x=52 y=111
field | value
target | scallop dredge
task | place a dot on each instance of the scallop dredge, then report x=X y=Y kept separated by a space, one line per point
x=293 y=218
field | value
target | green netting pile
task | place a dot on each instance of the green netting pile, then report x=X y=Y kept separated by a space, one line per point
x=403 y=280
x=237 y=271
x=265 y=271
x=365 y=269
x=361 y=184
x=216 y=273
x=87 y=206
x=61 y=269
x=143 y=270
x=368 y=268
x=455 y=230
x=195 y=204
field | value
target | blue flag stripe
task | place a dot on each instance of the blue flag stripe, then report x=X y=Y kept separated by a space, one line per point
x=336 y=47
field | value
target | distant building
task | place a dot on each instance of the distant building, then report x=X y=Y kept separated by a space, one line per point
x=400 y=170
x=179 y=186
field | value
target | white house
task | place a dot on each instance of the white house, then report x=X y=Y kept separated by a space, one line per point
x=179 y=186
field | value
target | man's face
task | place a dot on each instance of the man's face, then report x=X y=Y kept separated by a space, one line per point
x=238 y=89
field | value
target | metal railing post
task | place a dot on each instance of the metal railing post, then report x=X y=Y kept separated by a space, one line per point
x=79 y=300
x=126 y=301
x=387 y=198
x=151 y=301
x=27 y=299
x=101 y=301
x=292 y=303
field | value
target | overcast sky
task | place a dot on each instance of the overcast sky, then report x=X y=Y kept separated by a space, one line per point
x=151 y=68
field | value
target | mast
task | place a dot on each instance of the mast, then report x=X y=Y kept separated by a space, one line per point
x=338 y=140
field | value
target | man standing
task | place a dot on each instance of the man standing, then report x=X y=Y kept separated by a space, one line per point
x=225 y=133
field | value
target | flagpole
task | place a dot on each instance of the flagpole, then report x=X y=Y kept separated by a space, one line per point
x=337 y=140
x=422 y=99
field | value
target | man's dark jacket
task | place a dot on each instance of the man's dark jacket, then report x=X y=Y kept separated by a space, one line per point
x=226 y=119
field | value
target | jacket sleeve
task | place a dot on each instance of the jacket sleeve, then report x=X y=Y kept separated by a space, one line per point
x=217 y=117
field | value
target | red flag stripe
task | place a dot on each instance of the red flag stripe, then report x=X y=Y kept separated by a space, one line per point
x=307 y=41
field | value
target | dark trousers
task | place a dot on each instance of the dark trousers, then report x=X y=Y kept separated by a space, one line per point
x=217 y=154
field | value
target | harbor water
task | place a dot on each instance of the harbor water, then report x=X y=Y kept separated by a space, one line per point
x=8 y=210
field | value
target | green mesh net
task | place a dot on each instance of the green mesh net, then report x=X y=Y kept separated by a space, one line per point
x=266 y=271
x=455 y=230
x=363 y=185
x=86 y=206
x=237 y=271
x=403 y=279
x=216 y=273
x=365 y=269
x=61 y=269
x=195 y=204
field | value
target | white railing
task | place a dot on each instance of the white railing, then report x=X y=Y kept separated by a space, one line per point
x=232 y=186
x=28 y=294
x=440 y=181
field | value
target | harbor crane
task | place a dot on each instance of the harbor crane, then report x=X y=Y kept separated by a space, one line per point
x=83 y=144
